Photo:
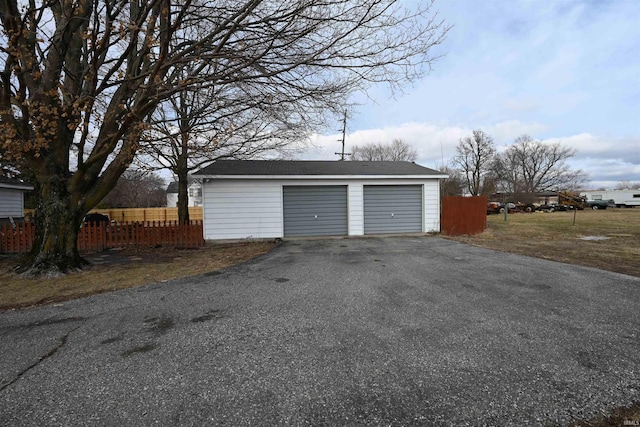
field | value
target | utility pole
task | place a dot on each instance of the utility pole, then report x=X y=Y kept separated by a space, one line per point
x=344 y=130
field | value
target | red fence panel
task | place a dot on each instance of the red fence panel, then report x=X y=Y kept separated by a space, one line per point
x=92 y=237
x=101 y=236
x=464 y=215
x=16 y=238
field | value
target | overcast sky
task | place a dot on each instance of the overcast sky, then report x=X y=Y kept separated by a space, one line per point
x=558 y=70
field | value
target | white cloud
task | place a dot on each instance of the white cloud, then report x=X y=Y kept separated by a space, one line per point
x=559 y=71
x=433 y=142
x=505 y=133
x=587 y=145
x=607 y=161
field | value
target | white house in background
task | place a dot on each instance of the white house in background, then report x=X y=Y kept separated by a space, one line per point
x=12 y=199
x=280 y=198
x=194 y=189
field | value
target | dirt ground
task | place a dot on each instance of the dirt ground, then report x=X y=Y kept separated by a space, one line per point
x=119 y=269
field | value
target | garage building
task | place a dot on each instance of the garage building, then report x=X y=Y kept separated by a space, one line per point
x=282 y=198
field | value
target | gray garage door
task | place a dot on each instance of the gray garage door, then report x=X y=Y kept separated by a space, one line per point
x=315 y=210
x=392 y=209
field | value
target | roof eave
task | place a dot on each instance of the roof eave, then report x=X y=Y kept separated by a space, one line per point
x=330 y=177
x=25 y=187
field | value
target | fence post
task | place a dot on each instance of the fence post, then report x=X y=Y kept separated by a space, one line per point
x=22 y=236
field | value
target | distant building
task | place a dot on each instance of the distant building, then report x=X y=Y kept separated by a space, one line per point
x=194 y=189
x=547 y=197
x=12 y=199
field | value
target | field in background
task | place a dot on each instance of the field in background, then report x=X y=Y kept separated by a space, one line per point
x=606 y=239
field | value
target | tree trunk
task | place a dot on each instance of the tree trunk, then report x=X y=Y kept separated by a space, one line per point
x=183 y=198
x=57 y=223
x=183 y=183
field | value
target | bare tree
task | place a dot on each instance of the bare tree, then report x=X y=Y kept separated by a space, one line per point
x=474 y=159
x=529 y=166
x=397 y=151
x=80 y=79
x=454 y=185
x=198 y=126
x=136 y=188
x=627 y=185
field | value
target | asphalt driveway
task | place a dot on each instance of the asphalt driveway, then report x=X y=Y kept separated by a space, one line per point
x=394 y=331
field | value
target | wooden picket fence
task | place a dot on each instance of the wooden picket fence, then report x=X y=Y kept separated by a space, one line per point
x=18 y=238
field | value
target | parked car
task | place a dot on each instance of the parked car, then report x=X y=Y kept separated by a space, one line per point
x=95 y=219
x=597 y=204
x=547 y=207
x=493 y=208
x=498 y=208
x=524 y=207
x=555 y=207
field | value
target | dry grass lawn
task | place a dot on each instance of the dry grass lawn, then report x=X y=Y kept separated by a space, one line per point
x=553 y=236
x=114 y=270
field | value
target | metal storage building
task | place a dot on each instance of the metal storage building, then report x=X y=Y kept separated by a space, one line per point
x=281 y=198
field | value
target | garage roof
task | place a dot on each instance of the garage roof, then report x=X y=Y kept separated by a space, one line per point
x=272 y=168
x=14 y=183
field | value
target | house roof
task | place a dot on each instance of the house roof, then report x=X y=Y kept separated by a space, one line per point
x=173 y=185
x=6 y=182
x=273 y=168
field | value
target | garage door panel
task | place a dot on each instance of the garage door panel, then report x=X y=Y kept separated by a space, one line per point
x=320 y=224
x=325 y=201
x=325 y=208
x=392 y=209
x=396 y=208
x=315 y=210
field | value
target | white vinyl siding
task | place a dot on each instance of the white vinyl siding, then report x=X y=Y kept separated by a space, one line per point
x=356 y=209
x=11 y=203
x=431 y=206
x=249 y=208
x=242 y=209
x=172 y=200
